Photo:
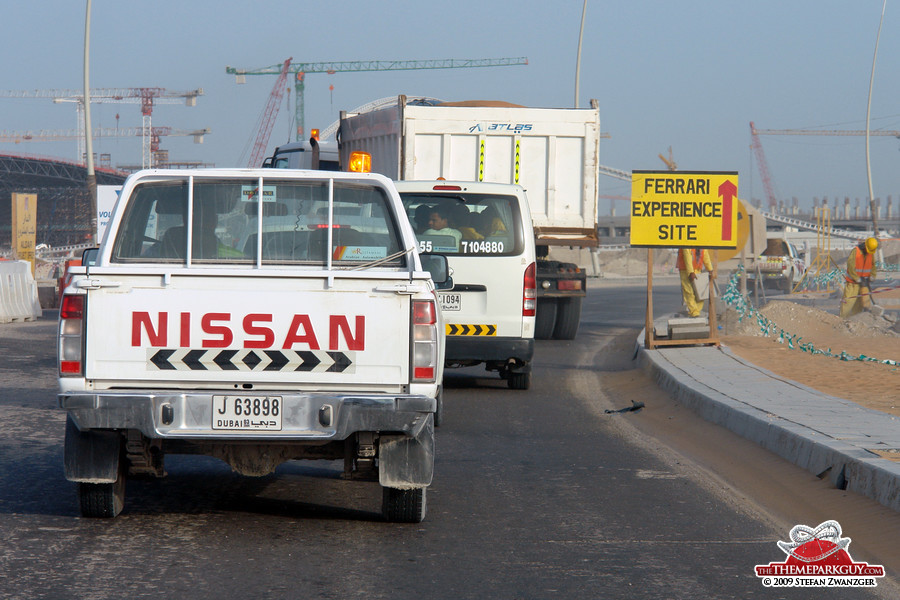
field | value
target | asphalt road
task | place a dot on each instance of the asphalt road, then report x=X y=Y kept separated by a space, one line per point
x=537 y=494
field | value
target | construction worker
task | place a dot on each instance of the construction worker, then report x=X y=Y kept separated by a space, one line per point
x=860 y=272
x=690 y=264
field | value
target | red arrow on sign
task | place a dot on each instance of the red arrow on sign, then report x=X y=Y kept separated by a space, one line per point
x=727 y=191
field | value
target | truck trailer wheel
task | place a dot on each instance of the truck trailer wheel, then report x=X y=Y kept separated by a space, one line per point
x=403 y=506
x=568 y=315
x=545 y=318
x=103 y=500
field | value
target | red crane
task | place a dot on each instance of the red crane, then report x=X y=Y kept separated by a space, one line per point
x=763 y=168
x=264 y=129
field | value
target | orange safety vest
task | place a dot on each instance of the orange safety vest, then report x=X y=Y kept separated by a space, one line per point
x=863 y=264
x=696 y=259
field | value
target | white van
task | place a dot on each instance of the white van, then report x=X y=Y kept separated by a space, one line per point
x=485 y=231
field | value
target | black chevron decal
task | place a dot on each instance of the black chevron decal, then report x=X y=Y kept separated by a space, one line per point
x=341 y=362
x=223 y=360
x=161 y=360
x=319 y=361
x=278 y=360
x=309 y=361
x=192 y=360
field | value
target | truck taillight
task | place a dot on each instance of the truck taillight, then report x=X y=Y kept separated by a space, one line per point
x=569 y=285
x=425 y=341
x=360 y=162
x=529 y=291
x=71 y=336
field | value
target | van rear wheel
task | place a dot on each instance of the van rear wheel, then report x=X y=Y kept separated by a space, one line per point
x=519 y=381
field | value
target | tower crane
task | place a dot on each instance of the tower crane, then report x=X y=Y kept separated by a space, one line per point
x=670 y=162
x=300 y=70
x=267 y=120
x=147 y=97
x=761 y=157
x=842 y=132
x=763 y=167
x=152 y=134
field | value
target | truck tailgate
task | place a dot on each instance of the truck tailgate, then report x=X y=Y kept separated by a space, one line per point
x=246 y=330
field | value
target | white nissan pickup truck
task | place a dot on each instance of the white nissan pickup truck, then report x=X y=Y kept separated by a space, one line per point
x=257 y=316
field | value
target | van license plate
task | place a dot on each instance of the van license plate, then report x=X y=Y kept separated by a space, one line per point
x=247 y=413
x=450 y=301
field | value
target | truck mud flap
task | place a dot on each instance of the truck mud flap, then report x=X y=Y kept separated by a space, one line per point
x=406 y=462
x=91 y=456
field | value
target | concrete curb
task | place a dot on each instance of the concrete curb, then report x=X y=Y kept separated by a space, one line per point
x=846 y=466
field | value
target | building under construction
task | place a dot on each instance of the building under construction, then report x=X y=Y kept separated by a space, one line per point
x=63 y=201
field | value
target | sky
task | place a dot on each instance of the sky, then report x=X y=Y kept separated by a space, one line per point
x=688 y=75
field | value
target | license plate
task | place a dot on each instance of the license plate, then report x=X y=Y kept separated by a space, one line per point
x=247 y=413
x=451 y=301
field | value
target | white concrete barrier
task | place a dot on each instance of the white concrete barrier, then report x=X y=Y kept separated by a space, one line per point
x=18 y=292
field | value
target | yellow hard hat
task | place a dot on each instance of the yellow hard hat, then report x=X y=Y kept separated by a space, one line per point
x=871 y=245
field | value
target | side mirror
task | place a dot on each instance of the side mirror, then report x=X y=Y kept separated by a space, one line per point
x=89 y=257
x=436 y=264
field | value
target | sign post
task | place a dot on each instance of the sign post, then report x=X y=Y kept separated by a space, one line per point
x=683 y=209
x=24 y=227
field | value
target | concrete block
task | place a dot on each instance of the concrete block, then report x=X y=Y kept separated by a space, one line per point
x=688 y=328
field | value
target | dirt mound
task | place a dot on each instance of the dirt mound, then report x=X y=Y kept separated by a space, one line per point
x=791 y=316
x=856 y=358
x=797 y=319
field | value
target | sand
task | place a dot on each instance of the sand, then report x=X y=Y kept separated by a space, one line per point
x=870 y=384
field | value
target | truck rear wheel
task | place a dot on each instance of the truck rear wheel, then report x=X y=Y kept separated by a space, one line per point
x=545 y=318
x=568 y=315
x=103 y=500
x=403 y=506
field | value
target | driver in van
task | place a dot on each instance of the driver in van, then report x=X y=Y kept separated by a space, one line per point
x=439 y=224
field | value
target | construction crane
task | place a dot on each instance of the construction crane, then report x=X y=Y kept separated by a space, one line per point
x=763 y=167
x=761 y=157
x=842 y=132
x=300 y=70
x=670 y=162
x=52 y=135
x=147 y=97
x=267 y=119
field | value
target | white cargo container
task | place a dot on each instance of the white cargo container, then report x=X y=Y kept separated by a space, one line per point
x=551 y=152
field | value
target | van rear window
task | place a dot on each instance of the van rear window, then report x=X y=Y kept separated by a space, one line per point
x=465 y=224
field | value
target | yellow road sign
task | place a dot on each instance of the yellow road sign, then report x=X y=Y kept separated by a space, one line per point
x=683 y=209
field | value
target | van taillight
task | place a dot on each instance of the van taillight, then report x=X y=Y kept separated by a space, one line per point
x=529 y=291
x=425 y=341
x=71 y=336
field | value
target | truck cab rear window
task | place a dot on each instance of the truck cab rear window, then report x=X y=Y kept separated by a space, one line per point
x=465 y=224
x=216 y=221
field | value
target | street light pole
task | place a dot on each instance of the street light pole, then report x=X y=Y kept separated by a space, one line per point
x=868 y=112
x=578 y=60
x=91 y=177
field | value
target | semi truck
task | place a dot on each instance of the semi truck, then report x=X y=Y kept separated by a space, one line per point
x=552 y=152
